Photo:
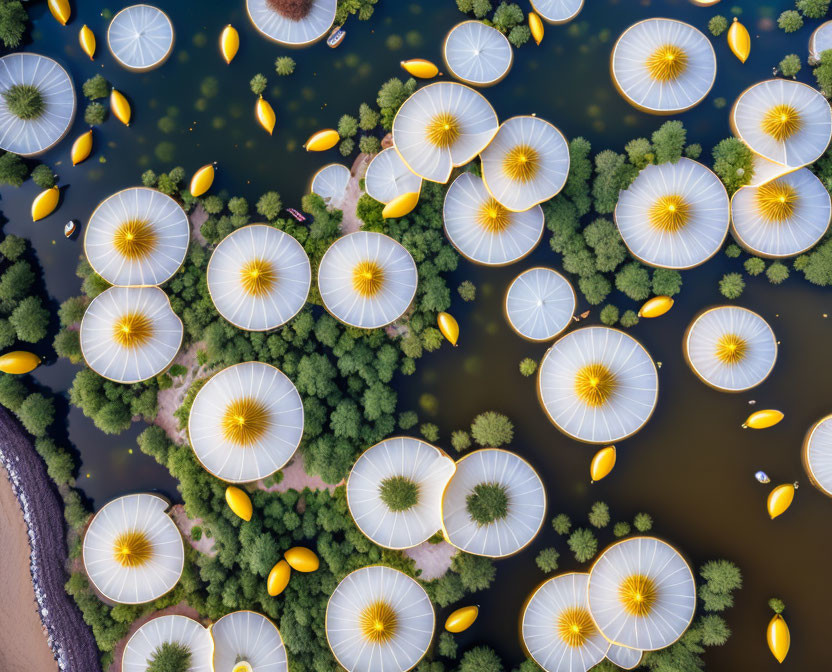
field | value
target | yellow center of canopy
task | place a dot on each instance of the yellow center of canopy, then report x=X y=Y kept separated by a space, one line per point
x=135 y=239
x=594 y=384
x=443 y=130
x=575 y=626
x=667 y=63
x=731 y=349
x=493 y=217
x=245 y=421
x=776 y=201
x=521 y=163
x=367 y=278
x=132 y=549
x=132 y=330
x=378 y=622
x=781 y=122
x=669 y=213
x=257 y=277
x=638 y=594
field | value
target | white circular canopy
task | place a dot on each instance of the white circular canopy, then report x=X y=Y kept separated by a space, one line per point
x=598 y=385
x=782 y=218
x=674 y=215
x=292 y=32
x=388 y=177
x=367 y=279
x=443 y=125
x=330 y=183
x=540 y=303
x=145 y=643
x=140 y=37
x=259 y=277
x=133 y=552
x=641 y=594
x=246 y=636
x=246 y=422
x=730 y=348
x=784 y=121
x=557 y=11
x=379 y=620
x=623 y=657
x=820 y=41
x=399 y=462
x=817 y=454
x=493 y=469
x=477 y=54
x=557 y=628
x=130 y=334
x=484 y=231
x=137 y=236
x=663 y=66
x=526 y=163
x=29 y=137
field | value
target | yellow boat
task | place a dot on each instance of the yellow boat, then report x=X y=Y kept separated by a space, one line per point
x=81 y=148
x=322 y=140
x=19 y=362
x=265 y=114
x=229 y=43
x=45 y=203
x=421 y=68
x=120 y=106
x=86 y=38
x=61 y=10
x=202 y=180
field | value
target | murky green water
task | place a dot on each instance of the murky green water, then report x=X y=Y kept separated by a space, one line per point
x=692 y=466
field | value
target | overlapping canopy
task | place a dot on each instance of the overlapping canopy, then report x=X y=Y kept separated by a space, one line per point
x=285 y=30
x=598 y=385
x=246 y=422
x=130 y=334
x=394 y=491
x=477 y=54
x=143 y=647
x=248 y=637
x=674 y=215
x=259 y=277
x=663 y=66
x=133 y=552
x=388 y=177
x=730 y=348
x=484 y=231
x=29 y=137
x=820 y=41
x=540 y=304
x=817 y=454
x=140 y=37
x=330 y=183
x=379 y=620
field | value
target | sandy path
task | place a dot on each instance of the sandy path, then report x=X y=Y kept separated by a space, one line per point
x=205 y=544
x=350 y=222
x=433 y=559
x=23 y=646
x=170 y=399
x=296 y=478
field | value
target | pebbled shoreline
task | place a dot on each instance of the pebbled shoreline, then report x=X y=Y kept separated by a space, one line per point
x=70 y=639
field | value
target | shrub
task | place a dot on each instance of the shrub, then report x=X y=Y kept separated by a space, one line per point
x=347 y=126
x=487 y=503
x=790 y=21
x=583 y=544
x=790 y=65
x=43 y=177
x=777 y=605
x=430 y=432
x=547 y=560
x=36 y=413
x=12 y=169
x=399 y=493
x=467 y=290
x=777 y=272
x=733 y=161
x=461 y=441
x=621 y=529
x=492 y=430
x=284 y=65
x=813 y=9
x=24 y=101
x=447 y=646
x=30 y=319
x=666 y=282
x=732 y=285
x=95 y=114
x=369 y=144
x=170 y=657
x=561 y=523
x=754 y=266
x=609 y=315
x=718 y=25
x=13 y=19
x=258 y=84
x=599 y=515
x=480 y=659
x=733 y=251
x=528 y=366
x=96 y=87
x=643 y=522
x=629 y=319
x=269 y=205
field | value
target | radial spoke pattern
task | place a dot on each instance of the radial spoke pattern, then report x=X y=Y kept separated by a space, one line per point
x=477 y=54
x=171 y=629
x=246 y=636
x=540 y=304
x=817 y=455
x=330 y=183
x=388 y=177
x=283 y=30
x=140 y=37
x=558 y=11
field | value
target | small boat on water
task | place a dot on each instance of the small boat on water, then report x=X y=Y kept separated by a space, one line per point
x=70 y=228
x=336 y=37
x=297 y=215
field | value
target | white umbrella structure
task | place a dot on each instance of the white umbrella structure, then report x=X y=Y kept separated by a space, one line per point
x=642 y=594
x=379 y=620
x=494 y=504
x=137 y=236
x=130 y=334
x=388 y=177
x=484 y=231
x=674 y=215
x=540 y=304
x=782 y=218
x=626 y=659
x=526 y=163
x=246 y=422
x=730 y=348
x=441 y=126
x=191 y=642
x=140 y=37
x=394 y=491
x=477 y=54
x=557 y=629
x=663 y=66
x=817 y=455
x=783 y=121
x=284 y=23
x=820 y=41
x=248 y=637
x=557 y=11
x=259 y=277
x=367 y=280
x=330 y=183
x=133 y=552
x=46 y=88
x=598 y=385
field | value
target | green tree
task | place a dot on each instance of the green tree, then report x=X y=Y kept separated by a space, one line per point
x=777 y=605
x=547 y=560
x=777 y=273
x=718 y=25
x=12 y=247
x=430 y=432
x=30 y=319
x=634 y=281
x=713 y=630
x=492 y=430
x=528 y=366
x=480 y=659
x=519 y=35
x=67 y=344
x=346 y=147
x=790 y=65
x=461 y=441
x=595 y=288
x=583 y=544
x=813 y=9
x=16 y=281
x=43 y=176
x=12 y=23
x=170 y=657
x=629 y=319
x=609 y=315
x=447 y=646
x=36 y=413
x=487 y=503
x=369 y=144
x=12 y=392
x=643 y=522
x=269 y=205
x=732 y=250
x=666 y=282
x=95 y=114
x=790 y=21
x=258 y=84
x=754 y=266
x=284 y=65
x=368 y=118
x=732 y=285
x=507 y=16
x=12 y=169
x=669 y=141
x=391 y=95
x=96 y=87
x=467 y=290
x=612 y=174
x=599 y=515
x=621 y=529
x=25 y=101
x=347 y=126
x=562 y=524
x=733 y=160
